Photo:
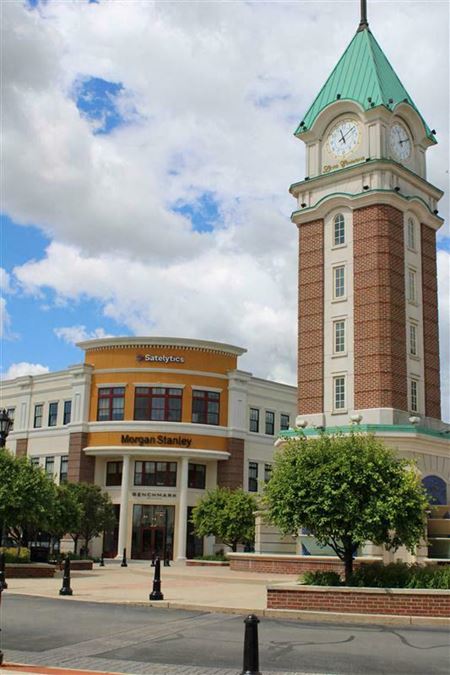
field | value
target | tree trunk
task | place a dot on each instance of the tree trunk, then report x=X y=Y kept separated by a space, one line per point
x=348 y=561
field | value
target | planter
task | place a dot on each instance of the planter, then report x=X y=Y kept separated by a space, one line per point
x=80 y=565
x=290 y=564
x=391 y=601
x=207 y=563
x=28 y=570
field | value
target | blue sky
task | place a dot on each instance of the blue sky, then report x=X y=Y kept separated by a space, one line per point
x=146 y=186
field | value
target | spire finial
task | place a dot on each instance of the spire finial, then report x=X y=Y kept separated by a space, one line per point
x=363 y=24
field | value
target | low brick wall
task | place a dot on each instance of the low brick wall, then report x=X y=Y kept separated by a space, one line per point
x=207 y=563
x=391 y=601
x=80 y=565
x=26 y=571
x=289 y=564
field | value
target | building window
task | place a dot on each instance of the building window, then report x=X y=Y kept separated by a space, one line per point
x=52 y=414
x=11 y=412
x=413 y=339
x=267 y=472
x=162 y=474
x=414 y=395
x=412 y=286
x=339 y=230
x=339 y=336
x=114 y=473
x=38 y=414
x=197 y=476
x=284 y=422
x=253 y=476
x=158 y=403
x=35 y=461
x=111 y=403
x=254 y=419
x=67 y=412
x=339 y=282
x=339 y=392
x=49 y=466
x=411 y=234
x=270 y=423
x=63 y=468
x=205 y=407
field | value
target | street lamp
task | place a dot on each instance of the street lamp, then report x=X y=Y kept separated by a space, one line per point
x=5 y=426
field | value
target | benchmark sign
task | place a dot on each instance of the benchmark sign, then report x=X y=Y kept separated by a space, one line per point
x=178 y=441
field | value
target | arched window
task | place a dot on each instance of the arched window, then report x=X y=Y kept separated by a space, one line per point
x=339 y=229
x=411 y=234
x=436 y=488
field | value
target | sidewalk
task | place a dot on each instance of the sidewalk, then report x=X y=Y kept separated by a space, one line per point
x=203 y=588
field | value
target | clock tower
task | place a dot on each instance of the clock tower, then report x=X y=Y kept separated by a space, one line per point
x=367 y=219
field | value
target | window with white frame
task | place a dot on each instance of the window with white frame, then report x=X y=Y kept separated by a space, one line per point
x=253 y=476
x=339 y=230
x=413 y=339
x=411 y=234
x=339 y=336
x=254 y=419
x=284 y=422
x=412 y=285
x=270 y=423
x=339 y=282
x=267 y=472
x=414 y=395
x=339 y=402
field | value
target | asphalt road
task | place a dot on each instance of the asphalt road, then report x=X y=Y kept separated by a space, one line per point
x=155 y=640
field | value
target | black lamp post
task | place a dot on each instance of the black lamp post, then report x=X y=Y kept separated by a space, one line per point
x=5 y=426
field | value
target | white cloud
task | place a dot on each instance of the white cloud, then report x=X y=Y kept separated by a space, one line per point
x=218 y=89
x=74 y=334
x=24 y=368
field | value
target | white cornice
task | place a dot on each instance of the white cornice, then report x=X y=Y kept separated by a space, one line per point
x=165 y=342
x=157 y=451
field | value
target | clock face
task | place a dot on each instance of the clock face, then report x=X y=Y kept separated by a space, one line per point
x=400 y=141
x=343 y=138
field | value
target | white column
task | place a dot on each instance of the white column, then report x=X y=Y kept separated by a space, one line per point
x=123 y=516
x=182 y=509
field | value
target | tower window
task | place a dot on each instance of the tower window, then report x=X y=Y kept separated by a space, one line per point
x=254 y=419
x=339 y=282
x=411 y=234
x=412 y=286
x=339 y=336
x=413 y=339
x=414 y=395
x=339 y=393
x=339 y=230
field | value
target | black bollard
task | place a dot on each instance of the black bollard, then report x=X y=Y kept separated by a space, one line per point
x=66 y=590
x=3 y=584
x=251 y=649
x=156 y=592
x=124 y=558
x=102 y=561
x=153 y=559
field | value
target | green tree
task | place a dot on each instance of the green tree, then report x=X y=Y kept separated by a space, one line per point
x=97 y=512
x=67 y=511
x=346 y=490
x=227 y=514
x=27 y=498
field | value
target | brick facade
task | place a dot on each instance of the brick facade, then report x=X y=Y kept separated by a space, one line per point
x=286 y=564
x=81 y=467
x=21 y=447
x=430 y=323
x=310 y=317
x=391 y=601
x=230 y=472
x=379 y=309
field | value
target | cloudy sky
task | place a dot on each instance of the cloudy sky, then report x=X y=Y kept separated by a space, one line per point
x=147 y=156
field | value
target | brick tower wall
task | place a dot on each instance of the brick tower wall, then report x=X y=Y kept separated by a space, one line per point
x=430 y=323
x=379 y=309
x=310 y=318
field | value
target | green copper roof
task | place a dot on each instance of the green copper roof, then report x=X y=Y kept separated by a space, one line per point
x=362 y=73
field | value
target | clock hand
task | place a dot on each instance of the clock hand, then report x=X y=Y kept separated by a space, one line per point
x=342 y=138
x=352 y=129
x=405 y=140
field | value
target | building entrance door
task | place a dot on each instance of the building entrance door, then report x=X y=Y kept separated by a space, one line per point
x=153 y=541
x=153 y=531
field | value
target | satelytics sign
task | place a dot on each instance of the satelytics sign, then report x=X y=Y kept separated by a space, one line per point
x=157 y=358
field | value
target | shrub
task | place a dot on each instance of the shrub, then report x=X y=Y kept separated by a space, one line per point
x=322 y=579
x=16 y=555
x=218 y=557
x=400 y=575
